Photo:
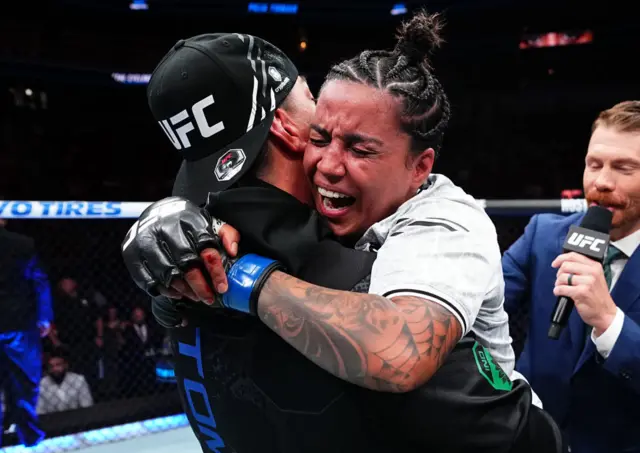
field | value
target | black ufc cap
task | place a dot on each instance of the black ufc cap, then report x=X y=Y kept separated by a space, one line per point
x=215 y=96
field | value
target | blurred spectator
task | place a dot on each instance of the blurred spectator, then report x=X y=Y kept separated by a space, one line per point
x=138 y=358
x=78 y=326
x=25 y=304
x=61 y=389
x=110 y=342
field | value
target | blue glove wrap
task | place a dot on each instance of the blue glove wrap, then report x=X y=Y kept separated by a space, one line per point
x=246 y=278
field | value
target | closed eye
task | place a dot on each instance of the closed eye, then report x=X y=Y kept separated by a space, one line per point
x=318 y=141
x=594 y=164
x=626 y=168
x=361 y=153
x=318 y=131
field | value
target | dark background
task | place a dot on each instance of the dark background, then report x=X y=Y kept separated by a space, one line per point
x=521 y=118
x=520 y=124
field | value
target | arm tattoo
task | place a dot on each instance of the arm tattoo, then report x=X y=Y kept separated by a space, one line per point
x=369 y=340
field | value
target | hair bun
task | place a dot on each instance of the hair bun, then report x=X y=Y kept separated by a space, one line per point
x=420 y=36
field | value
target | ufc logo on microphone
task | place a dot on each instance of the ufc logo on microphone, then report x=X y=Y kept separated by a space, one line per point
x=179 y=137
x=583 y=241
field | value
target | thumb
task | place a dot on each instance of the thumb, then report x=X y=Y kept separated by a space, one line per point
x=230 y=238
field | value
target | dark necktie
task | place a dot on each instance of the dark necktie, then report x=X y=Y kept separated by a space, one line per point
x=613 y=254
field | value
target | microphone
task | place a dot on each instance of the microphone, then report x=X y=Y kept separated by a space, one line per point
x=590 y=239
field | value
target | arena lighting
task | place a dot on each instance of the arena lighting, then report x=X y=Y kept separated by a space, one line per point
x=131 y=79
x=165 y=374
x=260 y=8
x=398 y=9
x=283 y=8
x=273 y=8
x=138 y=5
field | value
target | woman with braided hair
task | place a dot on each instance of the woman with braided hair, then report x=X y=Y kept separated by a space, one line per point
x=377 y=131
x=395 y=94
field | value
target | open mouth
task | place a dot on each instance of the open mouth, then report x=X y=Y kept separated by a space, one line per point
x=335 y=201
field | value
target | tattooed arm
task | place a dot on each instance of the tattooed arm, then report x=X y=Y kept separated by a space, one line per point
x=392 y=345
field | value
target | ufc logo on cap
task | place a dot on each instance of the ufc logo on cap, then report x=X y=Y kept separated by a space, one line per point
x=180 y=136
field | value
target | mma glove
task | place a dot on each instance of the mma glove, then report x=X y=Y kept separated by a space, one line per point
x=166 y=241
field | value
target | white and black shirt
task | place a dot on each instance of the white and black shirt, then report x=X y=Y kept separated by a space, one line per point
x=442 y=246
x=72 y=393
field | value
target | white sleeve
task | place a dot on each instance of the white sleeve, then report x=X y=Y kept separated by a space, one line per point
x=605 y=342
x=439 y=260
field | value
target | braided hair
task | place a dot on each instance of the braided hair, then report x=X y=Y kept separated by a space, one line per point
x=406 y=73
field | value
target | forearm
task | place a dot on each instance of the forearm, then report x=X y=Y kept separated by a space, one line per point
x=365 y=339
x=53 y=336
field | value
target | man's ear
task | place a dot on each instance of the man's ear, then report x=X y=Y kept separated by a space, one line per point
x=285 y=131
x=422 y=166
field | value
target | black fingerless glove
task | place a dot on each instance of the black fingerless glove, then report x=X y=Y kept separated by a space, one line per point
x=166 y=241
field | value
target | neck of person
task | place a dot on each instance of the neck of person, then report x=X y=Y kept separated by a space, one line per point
x=287 y=174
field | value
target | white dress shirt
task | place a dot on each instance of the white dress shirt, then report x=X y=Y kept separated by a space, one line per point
x=141 y=330
x=605 y=342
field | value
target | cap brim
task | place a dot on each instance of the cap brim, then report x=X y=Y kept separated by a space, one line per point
x=223 y=168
